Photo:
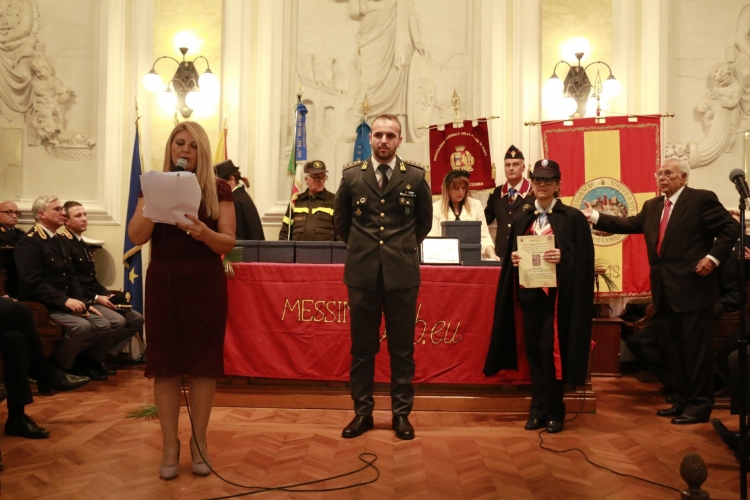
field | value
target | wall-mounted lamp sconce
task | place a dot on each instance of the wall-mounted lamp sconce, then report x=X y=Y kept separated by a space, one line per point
x=186 y=91
x=577 y=95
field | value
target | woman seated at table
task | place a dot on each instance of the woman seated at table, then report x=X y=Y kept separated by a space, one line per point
x=458 y=204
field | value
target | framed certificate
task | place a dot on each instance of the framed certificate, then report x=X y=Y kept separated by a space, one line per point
x=441 y=251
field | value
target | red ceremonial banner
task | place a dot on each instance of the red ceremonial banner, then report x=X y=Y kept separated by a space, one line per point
x=467 y=148
x=610 y=162
x=291 y=321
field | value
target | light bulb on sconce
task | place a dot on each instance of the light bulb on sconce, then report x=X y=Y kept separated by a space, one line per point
x=186 y=90
x=577 y=89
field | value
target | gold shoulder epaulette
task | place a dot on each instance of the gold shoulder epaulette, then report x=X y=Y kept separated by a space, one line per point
x=37 y=229
x=414 y=164
x=352 y=164
x=66 y=233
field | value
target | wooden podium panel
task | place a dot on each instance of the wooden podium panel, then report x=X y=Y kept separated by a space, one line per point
x=605 y=357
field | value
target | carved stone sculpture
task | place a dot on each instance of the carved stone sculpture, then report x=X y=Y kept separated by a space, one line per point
x=48 y=93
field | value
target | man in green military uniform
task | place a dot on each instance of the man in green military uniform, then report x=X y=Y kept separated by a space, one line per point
x=311 y=217
x=383 y=212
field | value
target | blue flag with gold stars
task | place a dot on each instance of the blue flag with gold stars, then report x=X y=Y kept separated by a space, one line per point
x=362 y=149
x=132 y=257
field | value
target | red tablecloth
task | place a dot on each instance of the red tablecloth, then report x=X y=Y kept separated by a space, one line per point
x=291 y=321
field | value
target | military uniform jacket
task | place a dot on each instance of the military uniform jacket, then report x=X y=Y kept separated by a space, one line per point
x=383 y=228
x=498 y=208
x=9 y=236
x=45 y=270
x=312 y=218
x=83 y=263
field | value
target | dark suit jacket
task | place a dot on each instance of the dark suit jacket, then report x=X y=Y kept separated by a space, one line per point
x=499 y=209
x=698 y=226
x=9 y=236
x=83 y=263
x=249 y=226
x=383 y=228
x=45 y=271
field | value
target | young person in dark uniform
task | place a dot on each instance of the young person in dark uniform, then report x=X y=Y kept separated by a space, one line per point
x=9 y=233
x=126 y=322
x=688 y=233
x=249 y=226
x=312 y=215
x=556 y=321
x=383 y=212
x=46 y=275
x=506 y=200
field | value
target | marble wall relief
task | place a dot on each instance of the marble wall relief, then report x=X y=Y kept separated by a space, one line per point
x=724 y=111
x=29 y=87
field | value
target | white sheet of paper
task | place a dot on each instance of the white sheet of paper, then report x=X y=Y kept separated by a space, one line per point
x=533 y=270
x=170 y=195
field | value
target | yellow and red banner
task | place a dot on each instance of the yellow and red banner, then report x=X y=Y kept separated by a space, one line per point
x=467 y=148
x=610 y=162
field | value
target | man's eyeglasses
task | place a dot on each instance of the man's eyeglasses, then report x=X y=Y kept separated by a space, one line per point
x=539 y=180
x=319 y=177
x=664 y=173
x=11 y=212
x=56 y=209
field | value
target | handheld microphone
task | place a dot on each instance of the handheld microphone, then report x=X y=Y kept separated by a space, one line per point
x=737 y=176
x=181 y=165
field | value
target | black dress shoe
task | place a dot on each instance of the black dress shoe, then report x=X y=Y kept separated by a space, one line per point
x=731 y=439
x=61 y=381
x=24 y=427
x=670 y=412
x=687 y=420
x=554 y=426
x=403 y=428
x=533 y=424
x=101 y=367
x=359 y=425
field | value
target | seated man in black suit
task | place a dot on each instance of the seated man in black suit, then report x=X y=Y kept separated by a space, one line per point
x=9 y=233
x=23 y=357
x=126 y=322
x=46 y=275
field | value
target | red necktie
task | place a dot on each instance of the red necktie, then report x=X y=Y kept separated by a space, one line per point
x=663 y=224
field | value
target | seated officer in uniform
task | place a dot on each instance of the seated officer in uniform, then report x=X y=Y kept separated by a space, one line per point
x=46 y=275
x=125 y=323
x=311 y=217
x=9 y=233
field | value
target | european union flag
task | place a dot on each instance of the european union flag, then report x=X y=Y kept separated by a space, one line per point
x=132 y=257
x=362 y=149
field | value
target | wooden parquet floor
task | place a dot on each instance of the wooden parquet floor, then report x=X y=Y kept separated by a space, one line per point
x=95 y=452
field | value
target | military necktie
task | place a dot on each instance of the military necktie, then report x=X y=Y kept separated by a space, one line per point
x=511 y=195
x=384 y=179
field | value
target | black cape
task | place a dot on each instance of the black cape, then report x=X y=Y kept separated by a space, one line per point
x=249 y=226
x=575 y=294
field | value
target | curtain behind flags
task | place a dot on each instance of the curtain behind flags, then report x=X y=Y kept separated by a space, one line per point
x=468 y=148
x=611 y=165
x=132 y=258
x=362 y=147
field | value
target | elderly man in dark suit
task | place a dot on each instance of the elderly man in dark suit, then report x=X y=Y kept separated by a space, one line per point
x=46 y=275
x=688 y=234
x=9 y=233
x=383 y=211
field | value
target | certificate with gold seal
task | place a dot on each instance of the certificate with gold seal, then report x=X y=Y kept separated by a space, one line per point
x=533 y=270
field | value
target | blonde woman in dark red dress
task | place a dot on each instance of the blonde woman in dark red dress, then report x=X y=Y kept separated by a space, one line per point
x=186 y=298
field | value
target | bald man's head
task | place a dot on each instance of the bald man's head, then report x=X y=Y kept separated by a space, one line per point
x=9 y=213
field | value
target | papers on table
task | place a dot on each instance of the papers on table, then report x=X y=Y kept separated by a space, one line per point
x=170 y=195
x=533 y=270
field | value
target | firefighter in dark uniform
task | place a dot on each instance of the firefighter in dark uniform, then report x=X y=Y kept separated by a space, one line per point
x=506 y=201
x=383 y=213
x=312 y=214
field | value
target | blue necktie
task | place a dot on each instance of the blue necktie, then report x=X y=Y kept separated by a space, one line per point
x=511 y=194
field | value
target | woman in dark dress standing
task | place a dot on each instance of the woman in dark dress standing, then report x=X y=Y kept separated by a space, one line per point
x=186 y=298
x=556 y=321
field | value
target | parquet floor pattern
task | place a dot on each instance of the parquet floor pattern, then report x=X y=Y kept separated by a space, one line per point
x=95 y=452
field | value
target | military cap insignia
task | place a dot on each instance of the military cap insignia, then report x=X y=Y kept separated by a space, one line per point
x=352 y=164
x=317 y=164
x=127 y=296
